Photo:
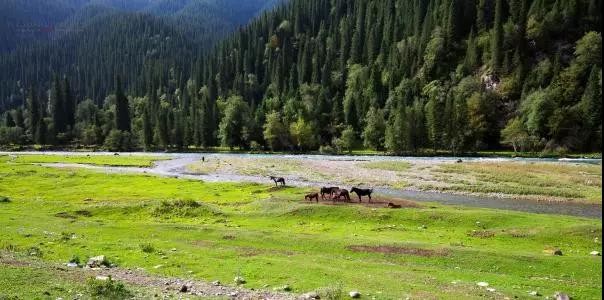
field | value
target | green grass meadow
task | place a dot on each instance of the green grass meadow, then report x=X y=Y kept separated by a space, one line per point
x=271 y=237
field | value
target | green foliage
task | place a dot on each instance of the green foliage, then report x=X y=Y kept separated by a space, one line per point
x=275 y=133
x=346 y=141
x=445 y=75
x=107 y=289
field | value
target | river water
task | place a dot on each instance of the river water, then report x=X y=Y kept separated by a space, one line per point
x=176 y=167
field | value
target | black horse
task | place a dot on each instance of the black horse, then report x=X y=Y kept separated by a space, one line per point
x=278 y=180
x=362 y=192
x=328 y=190
x=341 y=193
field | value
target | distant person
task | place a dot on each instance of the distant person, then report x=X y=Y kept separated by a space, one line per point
x=203 y=159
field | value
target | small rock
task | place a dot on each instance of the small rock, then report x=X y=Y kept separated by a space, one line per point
x=534 y=293
x=310 y=296
x=158 y=266
x=72 y=265
x=234 y=294
x=595 y=253
x=96 y=262
x=561 y=296
x=492 y=290
x=482 y=284
x=285 y=288
x=216 y=283
x=184 y=289
x=354 y=294
x=173 y=249
x=102 y=278
x=239 y=280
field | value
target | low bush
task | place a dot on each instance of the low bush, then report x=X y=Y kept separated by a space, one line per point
x=183 y=208
x=107 y=289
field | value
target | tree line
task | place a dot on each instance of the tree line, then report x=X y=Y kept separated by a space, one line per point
x=395 y=75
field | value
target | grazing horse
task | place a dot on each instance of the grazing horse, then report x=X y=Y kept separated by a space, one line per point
x=311 y=196
x=392 y=205
x=362 y=192
x=278 y=180
x=341 y=193
x=328 y=190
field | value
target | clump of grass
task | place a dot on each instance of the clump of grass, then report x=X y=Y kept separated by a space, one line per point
x=333 y=292
x=183 y=208
x=147 y=248
x=75 y=259
x=4 y=199
x=107 y=289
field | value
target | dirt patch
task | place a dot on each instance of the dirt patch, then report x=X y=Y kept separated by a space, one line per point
x=65 y=215
x=482 y=234
x=400 y=250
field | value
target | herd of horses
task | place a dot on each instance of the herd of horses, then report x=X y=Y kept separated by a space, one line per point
x=334 y=193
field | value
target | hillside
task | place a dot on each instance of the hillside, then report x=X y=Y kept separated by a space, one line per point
x=395 y=75
x=85 y=39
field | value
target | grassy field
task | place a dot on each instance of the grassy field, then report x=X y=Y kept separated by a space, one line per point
x=99 y=160
x=544 y=180
x=550 y=181
x=271 y=237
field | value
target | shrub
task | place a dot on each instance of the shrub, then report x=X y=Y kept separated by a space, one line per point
x=327 y=149
x=183 y=208
x=4 y=199
x=75 y=259
x=118 y=141
x=147 y=248
x=331 y=292
x=107 y=289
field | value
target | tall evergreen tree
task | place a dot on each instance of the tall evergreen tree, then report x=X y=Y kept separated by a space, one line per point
x=122 y=108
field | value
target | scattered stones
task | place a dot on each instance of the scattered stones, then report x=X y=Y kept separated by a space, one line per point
x=561 y=296
x=492 y=290
x=97 y=261
x=595 y=253
x=72 y=265
x=216 y=283
x=285 y=288
x=354 y=294
x=310 y=296
x=102 y=278
x=233 y=294
x=423 y=227
x=534 y=293
x=239 y=280
x=482 y=284
x=184 y=289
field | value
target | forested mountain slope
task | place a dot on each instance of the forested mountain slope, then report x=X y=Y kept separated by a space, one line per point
x=404 y=76
x=92 y=40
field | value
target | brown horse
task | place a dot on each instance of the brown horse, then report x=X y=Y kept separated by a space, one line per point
x=278 y=180
x=341 y=193
x=328 y=190
x=362 y=192
x=312 y=196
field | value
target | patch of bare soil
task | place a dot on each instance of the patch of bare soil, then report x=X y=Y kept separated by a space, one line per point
x=400 y=250
x=376 y=202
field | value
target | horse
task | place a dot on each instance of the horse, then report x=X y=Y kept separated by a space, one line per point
x=311 y=196
x=362 y=192
x=328 y=190
x=392 y=205
x=341 y=193
x=278 y=180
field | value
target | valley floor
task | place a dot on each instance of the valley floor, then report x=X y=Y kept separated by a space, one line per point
x=190 y=232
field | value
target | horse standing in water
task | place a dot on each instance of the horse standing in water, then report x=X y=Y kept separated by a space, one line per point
x=362 y=192
x=278 y=180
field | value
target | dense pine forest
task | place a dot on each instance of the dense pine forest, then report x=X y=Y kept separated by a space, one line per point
x=335 y=75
